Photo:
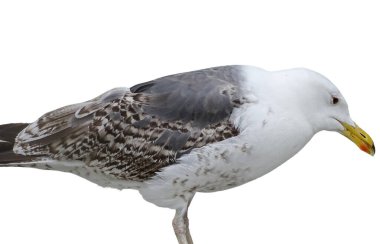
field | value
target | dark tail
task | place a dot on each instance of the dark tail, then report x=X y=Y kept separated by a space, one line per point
x=8 y=134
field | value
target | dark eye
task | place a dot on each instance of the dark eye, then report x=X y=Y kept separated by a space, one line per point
x=335 y=100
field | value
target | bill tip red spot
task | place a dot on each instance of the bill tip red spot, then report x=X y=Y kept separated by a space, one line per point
x=364 y=148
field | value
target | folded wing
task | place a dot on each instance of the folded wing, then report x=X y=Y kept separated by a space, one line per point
x=133 y=133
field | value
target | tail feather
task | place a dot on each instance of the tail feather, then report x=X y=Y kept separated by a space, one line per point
x=9 y=158
x=5 y=146
x=8 y=134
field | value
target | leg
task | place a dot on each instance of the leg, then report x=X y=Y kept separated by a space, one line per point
x=181 y=225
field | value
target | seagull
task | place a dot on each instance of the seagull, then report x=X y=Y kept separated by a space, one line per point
x=201 y=131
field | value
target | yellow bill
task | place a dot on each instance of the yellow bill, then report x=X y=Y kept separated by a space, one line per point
x=359 y=137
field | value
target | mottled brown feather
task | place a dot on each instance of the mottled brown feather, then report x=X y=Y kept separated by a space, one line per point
x=132 y=135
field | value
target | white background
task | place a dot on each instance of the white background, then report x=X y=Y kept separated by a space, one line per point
x=53 y=53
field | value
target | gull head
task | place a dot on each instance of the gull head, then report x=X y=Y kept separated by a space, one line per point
x=321 y=104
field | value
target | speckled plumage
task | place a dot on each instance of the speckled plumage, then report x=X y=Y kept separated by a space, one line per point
x=201 y=131
x=132 y=134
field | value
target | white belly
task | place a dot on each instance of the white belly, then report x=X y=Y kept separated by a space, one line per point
x=92 y=174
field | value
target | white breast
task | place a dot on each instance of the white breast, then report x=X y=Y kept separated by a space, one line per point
x=268 y=138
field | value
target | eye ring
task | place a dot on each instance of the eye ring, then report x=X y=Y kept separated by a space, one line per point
x=335 y=100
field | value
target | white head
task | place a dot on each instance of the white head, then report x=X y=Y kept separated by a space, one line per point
x=322 y=104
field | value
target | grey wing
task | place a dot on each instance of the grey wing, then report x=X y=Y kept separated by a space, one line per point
x=201 y=97
x=133 y=134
